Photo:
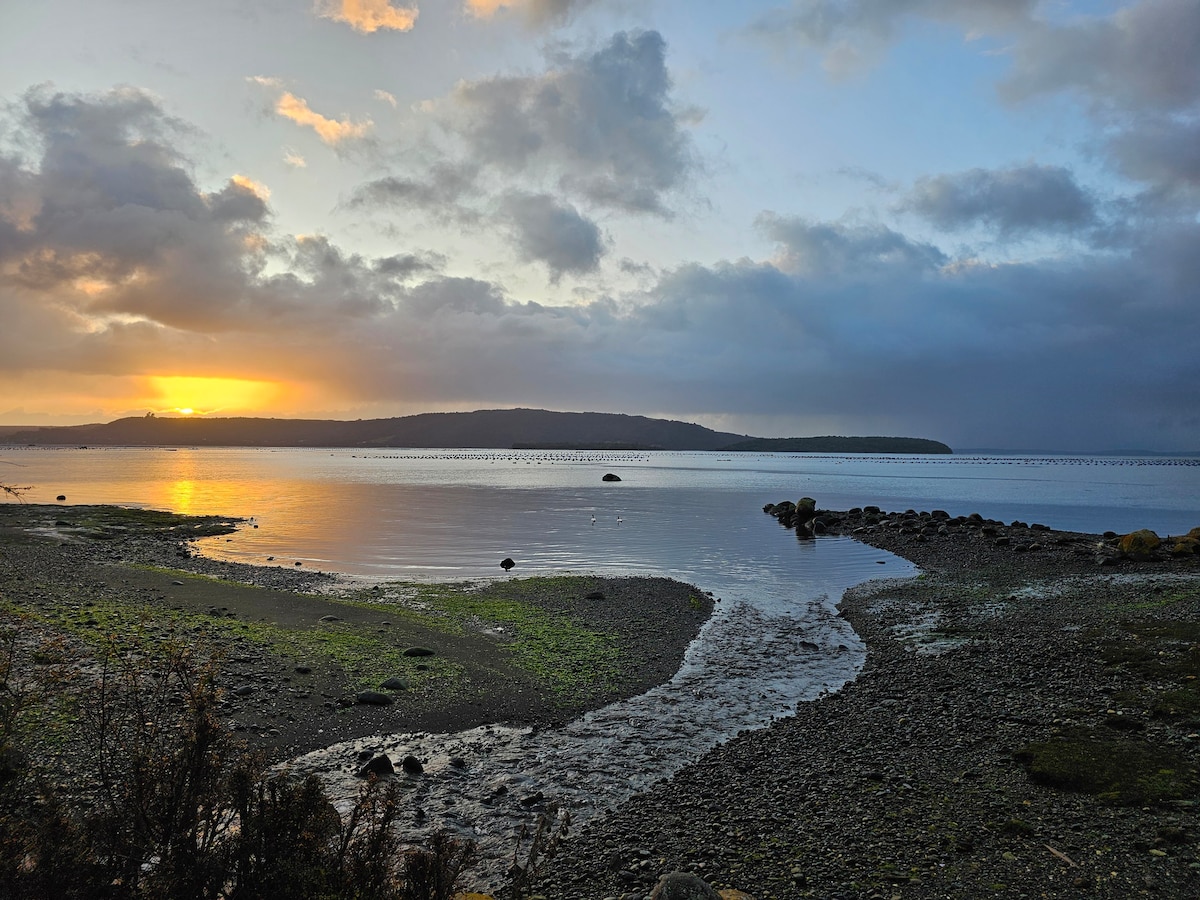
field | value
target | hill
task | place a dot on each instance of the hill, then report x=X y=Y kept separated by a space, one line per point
x=831 y=444
x=497 y=428
x=484 y=429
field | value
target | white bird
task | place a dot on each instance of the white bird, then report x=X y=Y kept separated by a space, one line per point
x=618 y=520
x=593 y=520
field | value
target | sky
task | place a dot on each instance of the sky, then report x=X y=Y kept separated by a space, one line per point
x=976 y=221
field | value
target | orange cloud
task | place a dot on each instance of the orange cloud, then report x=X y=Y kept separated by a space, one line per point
x=259 y=190
x=201 y=395
x=484 y=9
x=331 y=131
x=368 y=16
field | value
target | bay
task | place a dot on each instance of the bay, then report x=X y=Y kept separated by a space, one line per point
x=774 y=639
x=456 y=513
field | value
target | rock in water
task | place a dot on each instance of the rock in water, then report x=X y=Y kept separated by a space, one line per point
x=381 y=766
x=611 y=477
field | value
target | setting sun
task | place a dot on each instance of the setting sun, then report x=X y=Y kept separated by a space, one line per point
x=194 y=396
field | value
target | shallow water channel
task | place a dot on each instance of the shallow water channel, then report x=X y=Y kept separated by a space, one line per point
x=759 y=654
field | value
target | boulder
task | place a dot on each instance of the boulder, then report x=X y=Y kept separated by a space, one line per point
x=381 y=766
x=806 y=508
x=395 y=684
x=683 y=886
x=1139 y=544
x=412 y=765
x=1185 y=546
x=611 y=477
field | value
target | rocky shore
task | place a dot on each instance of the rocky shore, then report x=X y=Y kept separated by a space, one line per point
x=962 y=762
x=1017 y=643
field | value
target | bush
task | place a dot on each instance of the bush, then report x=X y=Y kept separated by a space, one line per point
x=182 y=811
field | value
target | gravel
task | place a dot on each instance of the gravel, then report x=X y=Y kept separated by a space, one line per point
x=904 y=783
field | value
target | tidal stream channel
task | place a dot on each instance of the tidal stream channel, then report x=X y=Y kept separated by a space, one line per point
x=766 y=647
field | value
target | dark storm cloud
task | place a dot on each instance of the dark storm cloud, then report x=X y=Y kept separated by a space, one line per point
x=553 y=233
x=1014 y=201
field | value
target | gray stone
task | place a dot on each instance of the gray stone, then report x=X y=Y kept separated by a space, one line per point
x=683 y=886
x=381 y=766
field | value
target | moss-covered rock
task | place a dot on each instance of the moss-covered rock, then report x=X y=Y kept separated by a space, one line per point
x=1139 y=544
x=1185 y=546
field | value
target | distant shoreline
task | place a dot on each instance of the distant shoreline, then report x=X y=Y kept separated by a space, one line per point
x=503 y=429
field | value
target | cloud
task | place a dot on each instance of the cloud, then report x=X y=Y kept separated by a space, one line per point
x=553 y=233
x=602 y=123
x=241 y=200
x=1141 y=57
x=1162 y=151
x=295 y=160
x=331 y=131
x=1015 y=201
x=535 y=12
x=443 y=191
x=368 y=16
x=824 y=248
x=853 y=34
x=120 y=265
x=535 y=156
x=387 y=98
x=1136 y=73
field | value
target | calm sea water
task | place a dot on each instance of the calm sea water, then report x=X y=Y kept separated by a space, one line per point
x=457 y=513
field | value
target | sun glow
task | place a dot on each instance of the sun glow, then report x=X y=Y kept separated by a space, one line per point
x=187 y=395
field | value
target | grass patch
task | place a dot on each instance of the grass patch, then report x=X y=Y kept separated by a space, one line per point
x=1115 y=769
x=365 y=659
x=567 y=656
x=1160 y=650
x=1179 y=704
